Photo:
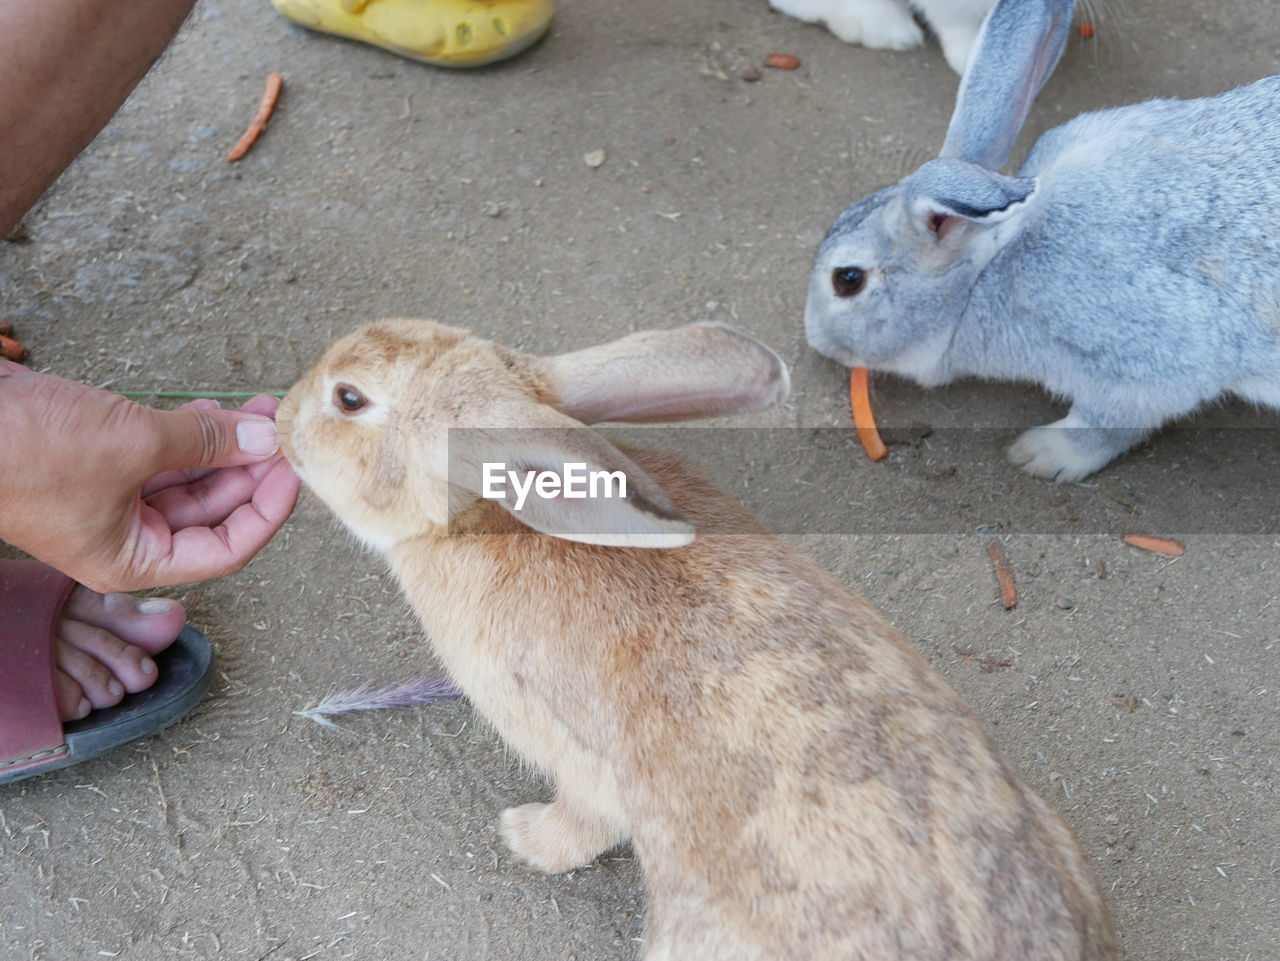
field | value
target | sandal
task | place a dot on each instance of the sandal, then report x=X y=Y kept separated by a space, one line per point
x=33 y=740
x=447 y=33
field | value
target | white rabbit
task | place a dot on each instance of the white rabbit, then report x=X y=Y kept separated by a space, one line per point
x=797 y=782
x=890 y=25
x=1132 y=266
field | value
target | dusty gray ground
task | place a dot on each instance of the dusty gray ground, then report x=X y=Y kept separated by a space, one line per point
x=384 y=187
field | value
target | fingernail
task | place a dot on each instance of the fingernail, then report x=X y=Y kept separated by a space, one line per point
x=257 y=437
x=147 y=665
x=155 y=605
x=113 y=686
x=83 y=708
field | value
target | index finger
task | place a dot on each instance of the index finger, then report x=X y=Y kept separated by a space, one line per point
x=264 y=404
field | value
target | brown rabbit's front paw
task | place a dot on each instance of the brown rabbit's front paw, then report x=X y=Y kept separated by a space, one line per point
x=550 y=838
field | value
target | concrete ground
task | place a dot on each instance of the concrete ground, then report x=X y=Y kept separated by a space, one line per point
x=1139 y=695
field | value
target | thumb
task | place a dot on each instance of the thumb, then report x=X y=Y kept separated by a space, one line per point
x=197 y=437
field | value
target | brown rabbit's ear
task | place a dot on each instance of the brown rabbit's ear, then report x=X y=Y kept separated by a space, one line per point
x=567 y=481
x=703 y=370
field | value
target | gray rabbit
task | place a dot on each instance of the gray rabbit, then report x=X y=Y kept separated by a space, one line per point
x=1132 y=266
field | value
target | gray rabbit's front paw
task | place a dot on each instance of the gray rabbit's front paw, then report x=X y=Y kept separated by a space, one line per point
x=1071 y=449
x=957 y=42
x=882 y=24
x=892 y=28
x=1050 y=452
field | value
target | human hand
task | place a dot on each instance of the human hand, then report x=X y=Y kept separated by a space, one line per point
x=122 y=497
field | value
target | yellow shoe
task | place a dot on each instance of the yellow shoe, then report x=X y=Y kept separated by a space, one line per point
x=447 y=33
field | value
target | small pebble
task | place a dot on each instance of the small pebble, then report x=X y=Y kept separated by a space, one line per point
x=1066 y=603
x=593 y=158
x=751 y=75
x=189 y=164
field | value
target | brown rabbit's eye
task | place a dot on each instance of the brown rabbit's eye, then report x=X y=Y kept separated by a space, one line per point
x=348 y=399
x=847 y=281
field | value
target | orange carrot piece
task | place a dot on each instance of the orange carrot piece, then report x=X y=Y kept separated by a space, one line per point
x=10 y=349
x=1004 y=574
x=782 y=61
x=1157 y=545
x=1086 y=29
x=269 y=97
x=863 y=418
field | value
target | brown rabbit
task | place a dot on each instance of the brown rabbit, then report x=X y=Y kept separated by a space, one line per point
x=798 y=783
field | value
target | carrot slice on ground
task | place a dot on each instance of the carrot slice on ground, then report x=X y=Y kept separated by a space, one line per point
x=1157 y=545
x=863 y=419
x=782 y=61
x=10 y=349
x=1004 y=574
x=269 y=97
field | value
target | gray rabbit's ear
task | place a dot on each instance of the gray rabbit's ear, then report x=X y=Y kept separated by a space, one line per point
x=1020 y=43
x=944 y=195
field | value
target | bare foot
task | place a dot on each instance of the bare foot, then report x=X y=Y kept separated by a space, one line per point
x=104 y=647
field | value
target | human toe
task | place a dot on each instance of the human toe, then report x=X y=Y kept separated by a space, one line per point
x=97 y=679
x=150 y=623
x=116 y=665
x=72 y=703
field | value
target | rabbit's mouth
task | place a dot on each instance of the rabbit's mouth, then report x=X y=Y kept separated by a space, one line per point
x=827 y=345
x=285 y=420
x=844 y=356
x=824 y=333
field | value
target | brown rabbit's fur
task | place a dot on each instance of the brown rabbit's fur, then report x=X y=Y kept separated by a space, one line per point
x=798 y=783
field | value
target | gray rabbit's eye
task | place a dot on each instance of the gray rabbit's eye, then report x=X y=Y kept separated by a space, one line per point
x=348 y=399
x=847 y=281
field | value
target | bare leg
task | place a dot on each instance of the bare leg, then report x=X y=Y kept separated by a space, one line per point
x=65 y=68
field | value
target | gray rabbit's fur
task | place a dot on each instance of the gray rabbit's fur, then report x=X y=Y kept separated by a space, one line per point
x=891 y=24
x=1132 y=266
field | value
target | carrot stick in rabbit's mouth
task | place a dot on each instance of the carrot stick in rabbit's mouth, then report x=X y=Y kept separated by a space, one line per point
x=863 y=418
